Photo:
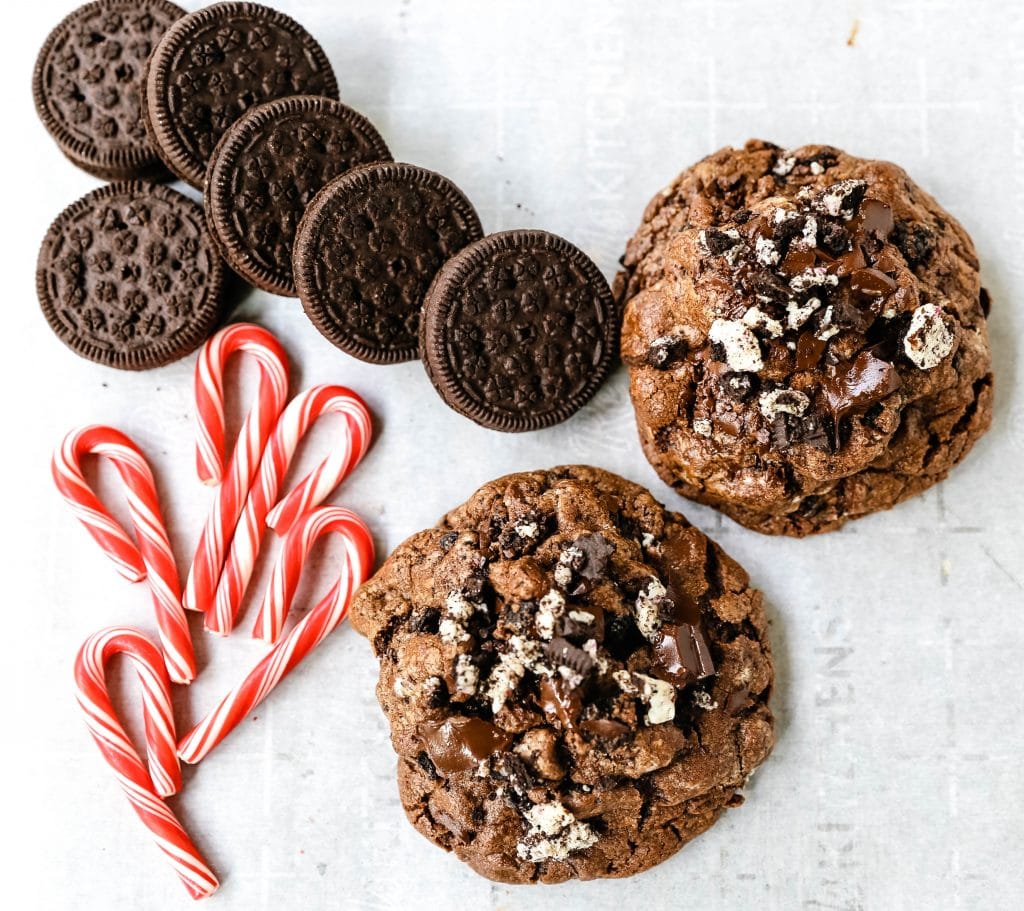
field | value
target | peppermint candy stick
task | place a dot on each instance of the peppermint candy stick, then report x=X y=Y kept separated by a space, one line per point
x=297 y=418
x=153 y=552
x=307 y=634
x=143 y=788
x=256 y=428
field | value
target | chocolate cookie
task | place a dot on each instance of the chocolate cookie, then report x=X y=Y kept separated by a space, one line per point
x=215 y=64
x=128 y=276
x=268 y=167
x=576 y=679
x=806 y=337
x=87 y=85
x=518 y=330
x=367 y=249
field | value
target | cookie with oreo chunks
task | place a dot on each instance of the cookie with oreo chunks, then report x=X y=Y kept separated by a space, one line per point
x=128 y=276
x=367 y=249
x=518 y=330
x=88 y=85
x=806 y=337
x=215 y=64
x=268 y=167
x=576 y=679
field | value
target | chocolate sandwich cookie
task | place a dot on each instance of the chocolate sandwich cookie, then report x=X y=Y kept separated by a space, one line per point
x=88 y=89
x=367 y=250
x=128 y=276
x=267 y=168
x=214 y=65
x=518 y=330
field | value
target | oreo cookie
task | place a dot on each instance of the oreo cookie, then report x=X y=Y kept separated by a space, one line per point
x=367 y=249
x=518 y=330
x=129 y=277
x=215 y=64
x=88 y=87
x=266 y=170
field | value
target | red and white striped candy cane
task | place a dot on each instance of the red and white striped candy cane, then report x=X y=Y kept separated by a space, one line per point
x=307 y=634
x=256 y=429
x=153 y=551
x=297 y=418
x=143 y=787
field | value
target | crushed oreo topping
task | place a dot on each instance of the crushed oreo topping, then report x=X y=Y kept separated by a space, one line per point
x=929 y=339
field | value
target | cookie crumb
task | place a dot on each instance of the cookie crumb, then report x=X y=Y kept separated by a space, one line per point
x=742 y=350
x=928 y=341
x=553 y=834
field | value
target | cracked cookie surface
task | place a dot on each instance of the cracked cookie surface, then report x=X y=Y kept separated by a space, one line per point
x=806 y=336
x=576 y=679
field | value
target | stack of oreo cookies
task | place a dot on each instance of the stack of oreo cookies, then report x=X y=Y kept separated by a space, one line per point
x=301 y=197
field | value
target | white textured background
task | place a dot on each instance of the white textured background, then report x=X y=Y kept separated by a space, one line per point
x=897 y=780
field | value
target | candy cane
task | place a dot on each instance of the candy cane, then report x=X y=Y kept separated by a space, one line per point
x=152 y=558
x=297 y=418
x=256 y=428
x=143 y=787
x=306 y=635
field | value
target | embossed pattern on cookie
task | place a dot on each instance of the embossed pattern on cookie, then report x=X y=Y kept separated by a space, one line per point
x=266 y=170
x=518 y=330
x=128 y=276
x=217 y=63
x=367 y=249
x=88 y=89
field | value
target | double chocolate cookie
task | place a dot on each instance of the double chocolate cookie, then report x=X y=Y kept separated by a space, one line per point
x=128 y=276
x=576 y=679
x=88 y=85
x=367 y=249
x=215 y=64
x=806 y=336
x=268 y=167
x=518 y=330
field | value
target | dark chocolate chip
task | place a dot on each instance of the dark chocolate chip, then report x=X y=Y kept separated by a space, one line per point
x=854 y=386
x=681 y=654
x=985 y=301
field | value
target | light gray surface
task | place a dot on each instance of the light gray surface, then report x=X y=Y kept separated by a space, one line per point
x=896 y=781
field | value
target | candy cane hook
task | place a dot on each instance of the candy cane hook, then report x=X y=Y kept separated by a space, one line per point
x=296 y=420
x=256 y=429
x=144 y=787
x=306 y=635
x=151 y=559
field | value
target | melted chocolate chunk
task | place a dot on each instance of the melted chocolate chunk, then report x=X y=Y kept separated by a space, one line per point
x=681 y=654
x=560 y=701
x=460 y=744
x=872 y=283
x=676 y=552
x=856 y=385
x=875 y=220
